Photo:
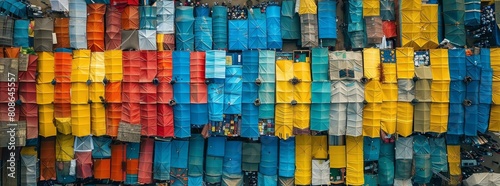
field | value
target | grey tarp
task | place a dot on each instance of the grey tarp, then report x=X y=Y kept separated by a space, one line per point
x=29 y=170
x=404 y=148
x=338 y=119
x=84 y=144
x=6 y=33
x=44 y=27
x=346 y=65
x=320 y=172
x=309 y=30
x=354 y=119
x=483 y=179
x=165 y=18
x=406 y=90
x=130 y=39
x=147 y=40
x=423 y=90
x=422 y=117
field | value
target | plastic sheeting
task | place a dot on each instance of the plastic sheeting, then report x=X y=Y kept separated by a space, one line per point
x=147 y=18
x=372 y=119
x=287 y=157
x=181 y=72
x=319 y=64
x=203 y=33
x=78 y=24
x=215 y=101
x=472 y=15
x=406 y=90
x=309 y=30
x=269 y=156
x=219 y=26
x=182 y=120
x=453 y=17
x=251 y=156
x=95 y=27
x=405 y=65
x=147 y=39
x=113 y=35
x=161 y=164
x=184 y=26
x=273 y=23
x=404 y=148
x=320 y=107
x=238 y=34
x=438 y=154
x=179 y=155
x=29 y=166
x=21 y=33
x=457 y=65
x=454 y=159
x=102 y=147
x=257 y=30
x=429 y=26
x=215 y=64
x=232 y=159
x=290 y=21
x=326 y=20
x=346 y=65
x=303 y=172
x=196 y=149
x=44 y=27
x=233 y=90
x=386 y=164
x=354 y=149
x=371 y=148
x=422 y=117
x=387 y=10
x=165 y=18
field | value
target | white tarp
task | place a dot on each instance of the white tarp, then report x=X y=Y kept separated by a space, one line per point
x=354 y=119
x=29 y=170
x=59 y=5
x=339 y=92
x=84 y=144
x=338 y=119
x=165 y=18
x=403 y=182
x=147 y=40
x=483 y=179
x=345 y=65
x=320 y=172
x=404 y=148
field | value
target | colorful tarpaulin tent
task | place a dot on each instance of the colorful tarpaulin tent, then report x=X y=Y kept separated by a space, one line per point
x=182 y=120
x=203 y=33
x=309 y=30
x=146 y=161
x=251 y=156
x=238 y=34
x=269 y=156
x=422 y=117
x=147 y=40
x=196 y=152
x=29 y=166
x=429 y=26
x=273 y=23
x=371 y=148
x=130 y=18
x=113 y=35
x=375 y=33
x=453 y=17
x=232 y=159
x=354 y=149
x=405 y=65
x=47 y=160
x=456 y=64
x=320 y=107
x=44 y=27
x=184 y=26
x=267 y=76
x=326 y=20
x=290 y=21
x=95 y=27
x=78 y=24
x=83 y=164
x=257 y=30
x=423 y=167
x=161 y=164
x=21 y=33
x=387 y=10
x=303 y=170
x=179 y=157
x=386 y=164
x=130 y=40
x=287 y=157
x=219 y=26
x=213 y=169
x=7 y=33
x=102 y=147
x=233 y=90
x=472 y=15
x=346 y=65
x=118 y=160
x=165 y=18
x=319 y=64
x=147 y=18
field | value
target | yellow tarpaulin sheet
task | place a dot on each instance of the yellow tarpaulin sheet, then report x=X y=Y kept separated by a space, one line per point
x=454 y=159
x=494 y=119
x=29 y=151
x=46 y=120
x=302 y=71
x=98 y=119
x=371 y=119
x=354 y=149
x=371 y=62
x=284 y=120
x=303 y=159
x=44 y=93
x=302 y=92
x=159 y=41
x=440 y=68
x=389 y=70
x=284 y=70
x=45 y=67
x=371 y=7
x=440 y=91
x=63 y=125
x=389 y=92
x=404 y=63
x=301 y=116
x=405 y=119
x=97 y=68
x=79 y=93
x=429 y=26
x=284 y=92
x=421 y=117
x=439 y=117
x=80 y=119
x=374 y=92
x=495 y=91
x=410 y=23
x=319 y=147
x=308 y=7
x=64 y=147
x=113 y=65
x=337 y=156
x=388 y=116
x=284 y=88
x=495 y=63
x=80 y=69
x=96 y=91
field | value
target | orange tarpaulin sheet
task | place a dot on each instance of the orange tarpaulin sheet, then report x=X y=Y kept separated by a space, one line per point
x=132 y=166
x=27 y=92
x=131 y=92
x=113 y=92
x=113 y=36
x=118 y=153
x=62 y=67
x=61 y=28
x=130 y=18
x=197 y=69
x=149 y=119
x=148 y=93
x=165 y=120
x=165 y=93
x=95 y=27
x=102 y=168
x=62 y=93
x=113 y=116
x=12 y=52
x=165 y=66
x=198 y=93
x=62 y=110
x=131 y=113
x=131 y=66
x=146 y=161
x=149 y=66
x=48 y=160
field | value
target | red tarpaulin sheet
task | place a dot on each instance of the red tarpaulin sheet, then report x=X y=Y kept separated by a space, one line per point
x=149 y=66
x=165 y=66
x=131 y=113
x=197 y=67
x=30 y=74
x=124 y=2
x=118 y=152
x=95 y=27
x=12 y=52
x=4 y=91
x=113 y=92
x=165 y=93
x=61 y=28
x=130 y=18
x=27 y=92
x=48 y=160
x=62 y=110
x=102 y=169
x=29 y=113
x=83 y=164
x=4 y=112
x=62 y=93
x=131 y=66
x=169 y=41
x=198 y=93
x=113 y=117
x=165 y=120
x=146 y=161
x=62 y=67
x=148 y=119
x=113 y=36
x=131 y=92
x=389 y=28
x=148 y=93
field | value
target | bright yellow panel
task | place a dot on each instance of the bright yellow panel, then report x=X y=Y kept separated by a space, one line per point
x=354 y=149
x=410 y=16
x=371 y=62
x=113 y=65
x=284 y=70
x=46 y=120
x=302 y=71
x=337 y=156
x=80 y=119
x=308 y=7
x=454 y=159
x=80 y=69
x=404 y=119
x=284 y=92
x=389 y=92
x=440 y=91
x=373 y=92
x=303 y=159
x=371 y=8
x=389 y=70
x=404 y=62
x=371 y=119
x=44 y=93
x=388 y=116
x=79 y=93
x=96 y=91
x=97 y=67
x=495 y=92
x=64 y=147
x=284 y=121
x=439 y=67
x=494 y=119
x=63 y=125
x=98 y=119
x=301 y=116
x=439 y=117
x=159 y=41
x=319 y=147
x=302 y=92
x=45 y=67
x=495 y=61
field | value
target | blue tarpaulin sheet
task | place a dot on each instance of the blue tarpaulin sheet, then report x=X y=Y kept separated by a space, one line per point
x=485 y=85
x=131 y=179
x=250 y=60
x=250 y=92
x=249 y=120
x=179 y=157
x=290 y=21
x=266 y=97
x=215 y=101
x=273 y=27
x=133 y=150
x=21 y=38
x=386 y=164
x=215 y=64
x=195 y=180
x=219 y=26
x=371 y=148
x=472 y=13
x=181 y=92
x=485 y=57
x=102 y=147
x=269 y=155
x=184 y=28
x=287 y=158
x=456 y=119
x=355 y=16
x=161 y=164
x=213 y=169
x=178 y=177
x=182 y=121
x=327 y=25
x=216 y=146
x=238 y=34
x=147 y=17
x=439 y=159
x=471 y=120
x=319 y=64
x=421 y=145
x=423 y=168
x=457 y=91
x=199 y=114
x=232 y=158
x=320 y=116
x=452 y=139
x=370 y=179
x=473 y=92
x=196 y=149
x=457 y=66
x=267 y=66
x=453 y=19
x=483 y=117
x=267 y=180
x=180 y=66
x=97 y=2
x=257 y=30
x=233 y=89
x=203 y=33
x=320 y=92
x=202 y=11
x=473 y=67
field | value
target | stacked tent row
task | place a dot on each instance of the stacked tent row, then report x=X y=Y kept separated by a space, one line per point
x=441 y=96
x=406 y=91
x=165 y=25
x=199 y=108
x=219 y=27
x=165 y=99
x=423 y=94
x=215 y=74
x=320 y=90
x=327 y=12
x=355 y=24
x=27 y=94
x=45 y=94
x=389 y=85
x=373 y=21
x=453 y=20
x=266 y=92
x=202 y=30
x=184 y=29
x=387 y=14
x=419 y=24
x=181 y=76
x=308 y=11
x=249 y=108
x=78 y=24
